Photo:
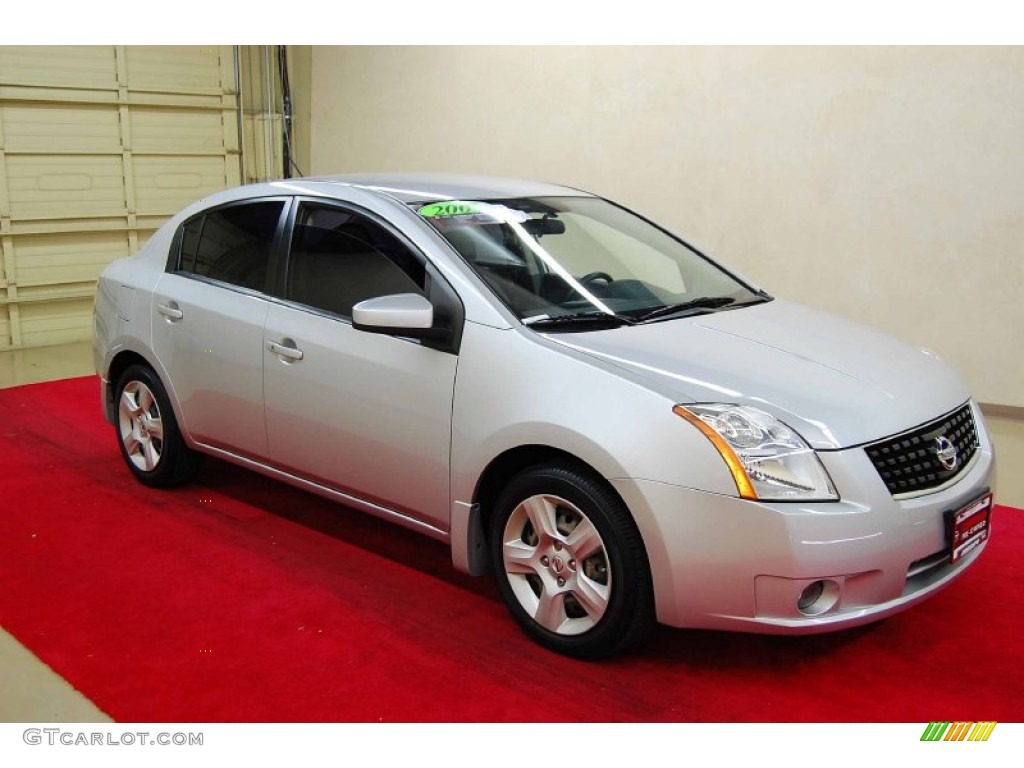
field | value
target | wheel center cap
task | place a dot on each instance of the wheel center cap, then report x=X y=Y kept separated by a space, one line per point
x=557 y=565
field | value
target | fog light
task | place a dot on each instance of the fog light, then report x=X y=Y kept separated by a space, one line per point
x=818 y=597
x=809 y=595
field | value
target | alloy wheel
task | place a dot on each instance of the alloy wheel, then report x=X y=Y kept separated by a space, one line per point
x=141 y=426
x=556 y=564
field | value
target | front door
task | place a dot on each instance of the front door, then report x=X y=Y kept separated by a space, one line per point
x=363 y=413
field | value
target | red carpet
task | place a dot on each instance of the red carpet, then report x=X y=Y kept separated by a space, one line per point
x=239 y=599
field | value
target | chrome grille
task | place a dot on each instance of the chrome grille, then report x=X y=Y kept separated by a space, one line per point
x=910 y=463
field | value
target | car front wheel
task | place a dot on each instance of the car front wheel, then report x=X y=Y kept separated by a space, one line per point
x=148 y=435
x=570 y=562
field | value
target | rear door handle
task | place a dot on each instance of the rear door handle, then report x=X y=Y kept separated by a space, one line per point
x=170 y=311
x=286 y=348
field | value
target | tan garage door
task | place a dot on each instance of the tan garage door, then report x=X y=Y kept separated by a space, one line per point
x=99 y=145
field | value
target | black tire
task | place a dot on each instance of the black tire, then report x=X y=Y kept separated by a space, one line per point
x=147 y=432
x=575 y=594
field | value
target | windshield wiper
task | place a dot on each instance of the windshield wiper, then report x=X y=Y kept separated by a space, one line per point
x=579 y=319
x=705 y=302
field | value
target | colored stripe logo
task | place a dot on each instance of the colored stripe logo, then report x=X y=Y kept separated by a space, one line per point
x=946 y=731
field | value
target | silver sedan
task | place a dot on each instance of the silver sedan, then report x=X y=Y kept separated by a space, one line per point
x=568 y=395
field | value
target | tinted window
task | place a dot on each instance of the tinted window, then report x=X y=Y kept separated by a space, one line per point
x=190 y=243
x=232 y=244
x=338 y=258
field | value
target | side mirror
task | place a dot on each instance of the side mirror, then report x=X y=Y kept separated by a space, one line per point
x=399 y=314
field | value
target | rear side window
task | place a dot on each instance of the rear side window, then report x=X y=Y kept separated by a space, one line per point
x=232 y=244
x=339 y=257
x=190 y=243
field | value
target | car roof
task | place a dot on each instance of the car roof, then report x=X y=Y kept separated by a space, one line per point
x=421 y=187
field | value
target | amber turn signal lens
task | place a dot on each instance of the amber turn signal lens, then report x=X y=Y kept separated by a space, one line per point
x=739 y=474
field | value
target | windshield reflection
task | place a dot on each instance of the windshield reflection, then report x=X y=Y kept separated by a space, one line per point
x=552 y=259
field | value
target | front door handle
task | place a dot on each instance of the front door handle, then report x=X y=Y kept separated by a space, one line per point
x=170 y=311
x=286 y=348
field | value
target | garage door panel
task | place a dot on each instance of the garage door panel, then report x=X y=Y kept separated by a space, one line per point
x=60 y=128
x=181 y=100
x=174 y=67
x=65 y=258
x=57 y=322
x=144 y=236
x=52 y=296
x=81 y=66
x=179 y=130
x=38 y=95
x=62 y=187
x=57 y=226
x=98 y=146
x=147 y=227
x=170 y=183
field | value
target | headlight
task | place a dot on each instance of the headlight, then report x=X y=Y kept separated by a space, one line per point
x=767 y=459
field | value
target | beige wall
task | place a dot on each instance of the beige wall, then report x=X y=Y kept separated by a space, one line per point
x=886 y=184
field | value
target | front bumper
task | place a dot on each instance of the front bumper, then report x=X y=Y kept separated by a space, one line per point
x=720 y=562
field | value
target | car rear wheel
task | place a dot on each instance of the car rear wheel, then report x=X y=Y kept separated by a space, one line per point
x=570 y=562
x=151 y=444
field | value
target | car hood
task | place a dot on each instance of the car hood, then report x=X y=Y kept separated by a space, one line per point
x=838 y=383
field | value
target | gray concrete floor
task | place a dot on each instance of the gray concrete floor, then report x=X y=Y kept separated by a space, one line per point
x=32 y=692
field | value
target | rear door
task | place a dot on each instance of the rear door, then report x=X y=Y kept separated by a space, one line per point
x=209 y=310
x=363 y=413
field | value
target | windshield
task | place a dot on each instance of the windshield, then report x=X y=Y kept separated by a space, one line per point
x=556 y=259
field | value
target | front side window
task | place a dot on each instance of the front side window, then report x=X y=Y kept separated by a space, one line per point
x=339 y=258
x=233 y=244
x=552 y=259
